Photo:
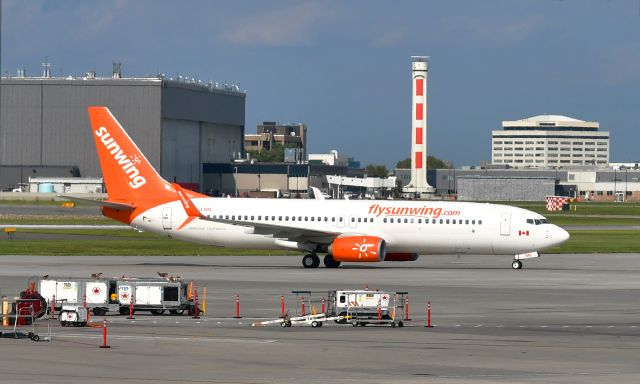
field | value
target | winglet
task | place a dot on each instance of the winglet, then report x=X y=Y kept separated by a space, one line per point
x=187 y=204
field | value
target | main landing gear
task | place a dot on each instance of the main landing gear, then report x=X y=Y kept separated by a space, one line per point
x=517 y=264
x=329 y=262
x=311 y=261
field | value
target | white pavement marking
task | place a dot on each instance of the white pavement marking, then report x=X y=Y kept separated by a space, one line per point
x=168 y=338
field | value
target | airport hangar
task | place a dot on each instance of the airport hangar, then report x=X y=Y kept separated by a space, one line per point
x=179 y=125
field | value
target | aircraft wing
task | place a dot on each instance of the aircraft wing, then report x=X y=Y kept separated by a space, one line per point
x=103 y=203
x=290 y=233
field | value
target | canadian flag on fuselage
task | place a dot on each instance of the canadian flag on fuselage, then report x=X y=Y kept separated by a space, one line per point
x=128 y=175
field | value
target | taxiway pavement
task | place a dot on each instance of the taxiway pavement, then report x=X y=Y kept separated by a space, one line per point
x=561 y=319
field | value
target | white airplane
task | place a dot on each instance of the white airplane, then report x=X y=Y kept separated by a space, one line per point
x=344 y=230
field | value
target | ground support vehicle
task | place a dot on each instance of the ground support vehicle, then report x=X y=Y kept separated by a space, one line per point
x=73 y=315
x=102 y=295
x=364 y=307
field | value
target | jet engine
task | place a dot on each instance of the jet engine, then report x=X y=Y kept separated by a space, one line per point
x=358 y=249
x=401 y=257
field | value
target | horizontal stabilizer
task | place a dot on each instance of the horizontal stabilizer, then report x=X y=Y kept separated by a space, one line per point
x=103 y=203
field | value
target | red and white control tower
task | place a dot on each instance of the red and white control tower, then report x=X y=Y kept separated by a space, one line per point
x=419 y=71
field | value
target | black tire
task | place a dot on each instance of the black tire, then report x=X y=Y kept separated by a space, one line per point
x=329 y=262
x=99 y=311
x=157 y=312
x=283 y=324
x=176 y=311
x=400 y=324
x=311 y=261
x=123 y=310
x=35 y=338
x=288 y=323
x=314 y=324
x=516 y=264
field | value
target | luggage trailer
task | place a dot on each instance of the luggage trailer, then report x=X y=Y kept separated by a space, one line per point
x=104 y=295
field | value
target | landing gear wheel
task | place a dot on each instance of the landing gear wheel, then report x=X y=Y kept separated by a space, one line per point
x=329 y=262
x=311 y=261
x=517 y=264
x=315 y=324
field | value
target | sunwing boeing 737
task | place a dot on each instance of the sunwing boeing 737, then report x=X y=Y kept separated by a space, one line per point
x=343 y=230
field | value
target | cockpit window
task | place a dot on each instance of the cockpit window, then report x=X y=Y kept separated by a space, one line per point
x=537 y=221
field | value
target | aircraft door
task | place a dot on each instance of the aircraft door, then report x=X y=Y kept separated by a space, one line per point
x=166 y=218
x=505 y=224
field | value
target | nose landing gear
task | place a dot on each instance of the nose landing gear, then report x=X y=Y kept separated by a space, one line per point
x=517 y=264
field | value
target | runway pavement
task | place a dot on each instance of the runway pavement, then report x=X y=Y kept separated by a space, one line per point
x=561 y=319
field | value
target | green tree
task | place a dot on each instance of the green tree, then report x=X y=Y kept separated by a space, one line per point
x=374 y=170
x=273 y=155
x=432 y=163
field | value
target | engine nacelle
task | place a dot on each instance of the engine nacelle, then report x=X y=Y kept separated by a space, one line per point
x=358 y=249
x=401 y=257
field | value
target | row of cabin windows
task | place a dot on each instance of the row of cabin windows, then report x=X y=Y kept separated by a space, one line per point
x=353 y=219
x=433 y=221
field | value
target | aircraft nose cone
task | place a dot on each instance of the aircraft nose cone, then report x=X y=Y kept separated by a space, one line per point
x=560 y=235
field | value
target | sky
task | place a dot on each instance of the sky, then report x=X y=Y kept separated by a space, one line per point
x=343 y=67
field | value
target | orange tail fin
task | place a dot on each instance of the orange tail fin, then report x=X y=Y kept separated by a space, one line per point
x=127 y=173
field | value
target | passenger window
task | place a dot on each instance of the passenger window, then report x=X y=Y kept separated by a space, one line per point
x=226 y=217
x=466 y=221
x=293 y=218
x=353 y=220
x=306 y=218
x=447 y=221
x=279 y=218
x=312 y=218
x=286 y=218
x=419 y=221
x=246 y=217
x=233 y=217
x=300 y=218
x=340 y=219
x=266 y=218
x=391 y=220
x=441 y=221
x=384 y=220
x=433 y=221
x=326 y=219
x=273 y=218
x=411 y=221
x=473 y=222
x=259 y=217
x=252 y=217
x=479 y=222
x=406 y=221
x=319 y=218
x=454 y=221
x=371 y=220
x=333 y=219
x=358 y=219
